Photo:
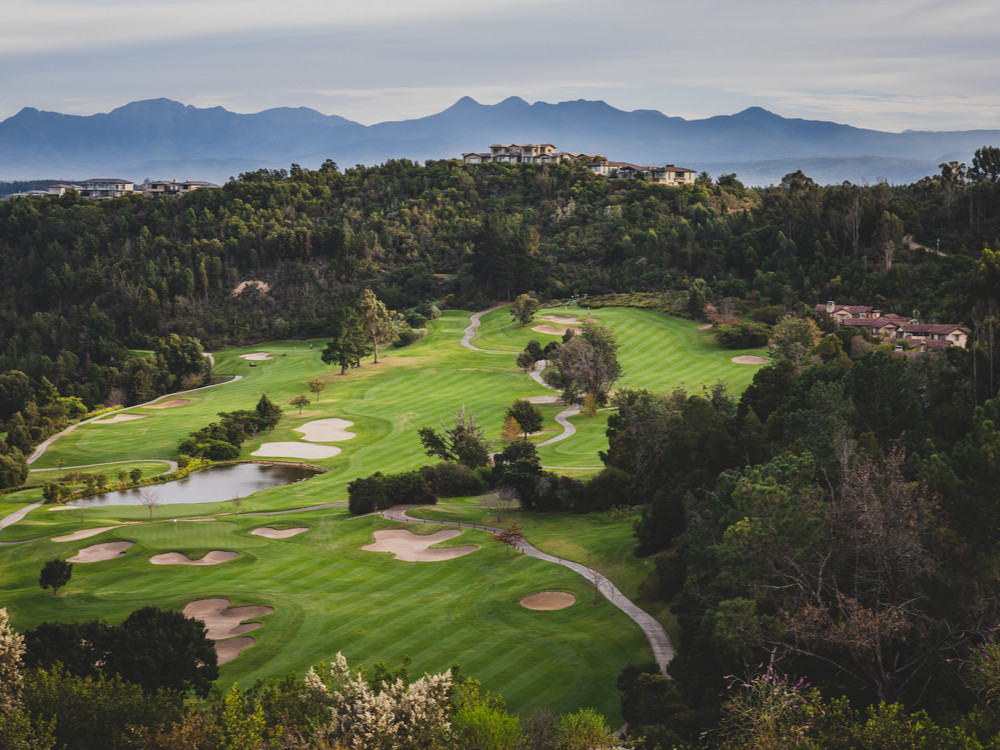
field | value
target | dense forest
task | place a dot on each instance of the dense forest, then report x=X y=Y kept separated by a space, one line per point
x=827 y=540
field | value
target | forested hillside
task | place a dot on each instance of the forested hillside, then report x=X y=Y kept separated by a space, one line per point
x=837 y=520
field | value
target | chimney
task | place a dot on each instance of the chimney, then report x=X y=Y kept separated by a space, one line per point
x=829 y=307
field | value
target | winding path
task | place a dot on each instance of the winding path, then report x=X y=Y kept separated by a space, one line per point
x=43 y=446
x=470 y=332
x=659 y=641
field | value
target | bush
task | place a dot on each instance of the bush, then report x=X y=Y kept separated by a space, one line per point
x=407 y=336
x=366 y=494
x=452 y=479
x=742 y=335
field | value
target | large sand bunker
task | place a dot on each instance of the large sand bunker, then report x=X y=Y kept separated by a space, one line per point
x=169 y=404
x=750 y=359
x=562 y=320
x=271 y=533
x=214 y=557
x=120 y=418
x=82 y=534
x=555 y=331
x=99 y=552
x=256 y=356
x=548 y=600
x=222 y=622
x=326 y=430
x=406 y=545
x=295 y=450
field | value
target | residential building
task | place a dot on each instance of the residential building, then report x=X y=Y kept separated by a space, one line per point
x=897 y=329
x=528 y=153
x=666 y=175
x=173 y=187
x=101 y=188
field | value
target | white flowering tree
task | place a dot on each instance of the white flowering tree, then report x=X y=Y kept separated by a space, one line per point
x=11 y=653
x=390 y=716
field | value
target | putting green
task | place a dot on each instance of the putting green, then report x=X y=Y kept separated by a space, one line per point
x=328 y=594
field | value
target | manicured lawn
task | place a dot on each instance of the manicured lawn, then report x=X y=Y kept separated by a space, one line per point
x=329 y=595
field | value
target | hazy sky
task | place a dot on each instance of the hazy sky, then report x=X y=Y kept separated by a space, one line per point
x=885 y=64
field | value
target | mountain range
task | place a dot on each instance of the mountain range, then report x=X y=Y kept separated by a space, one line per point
x=164 y=139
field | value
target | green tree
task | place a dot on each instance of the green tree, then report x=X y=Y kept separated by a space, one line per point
x=527 y=415
x=162 y=649
x=793 y=338
x=463 y=440
x=317 y=385
x=55 y=574
x=301 y=401
x=523 y=308
x=587 y=363
x=350 y=340
x=182 y=355
x=381 y=324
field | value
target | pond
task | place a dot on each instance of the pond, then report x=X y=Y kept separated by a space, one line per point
x=212 y=485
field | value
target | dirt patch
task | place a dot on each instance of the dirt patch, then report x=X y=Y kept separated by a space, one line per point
x=263 y=286
x=295 y=450
x=169 y=404
x=562 y=320
x=406 y=545
x=326 y=430
x=82 y=534
x=707 y=327
x=120 y=418
x=214 y=557
x=269 y=533
x=555 y=331
x=750 y=359
x=256 y=356
x=548 y=600
x=99 y=552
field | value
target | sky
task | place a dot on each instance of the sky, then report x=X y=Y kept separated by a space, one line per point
x=881 y=64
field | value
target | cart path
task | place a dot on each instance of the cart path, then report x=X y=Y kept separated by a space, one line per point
x=659 y=641
x=470 y=332
x=43 y=446
x=172 y=464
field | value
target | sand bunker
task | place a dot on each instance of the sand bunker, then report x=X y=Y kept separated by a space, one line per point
x=562 y=320
x=169 y=404
x=548 y=600
x=326 y=430
x=223 y=621
x=82 y=534
x=750 y=359
x=269 y=533
x=229 y=649
x=213 y=557
x=257 y=356
x=406 y=545
x=99 y=552
x=551 y=399
x=295 y=450
x=555 y=331
x=120 y=418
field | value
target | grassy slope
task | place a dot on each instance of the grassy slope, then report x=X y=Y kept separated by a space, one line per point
x=329 y=595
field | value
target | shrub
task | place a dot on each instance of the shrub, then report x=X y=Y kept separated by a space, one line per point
x=742 y=335
x=407 y=336
x=452 y=479
x=366 y=494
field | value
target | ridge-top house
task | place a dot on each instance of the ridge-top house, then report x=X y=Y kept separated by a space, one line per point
x=666 y=175
x=527 y=153
x=106 y=187
x=896 y=329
